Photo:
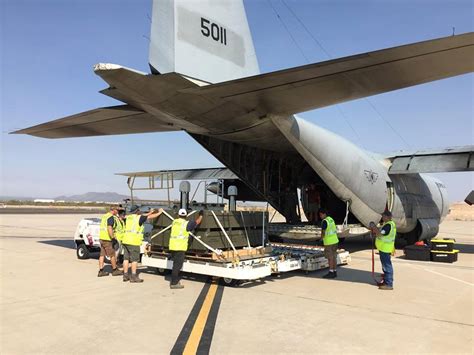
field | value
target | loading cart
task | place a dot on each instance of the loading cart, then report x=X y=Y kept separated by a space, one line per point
x=259 y=262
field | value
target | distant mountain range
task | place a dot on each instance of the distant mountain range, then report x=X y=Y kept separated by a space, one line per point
x=94 y=196
x=88 y=196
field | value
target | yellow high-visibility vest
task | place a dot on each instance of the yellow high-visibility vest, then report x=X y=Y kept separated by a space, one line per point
x=133 y=231
x=330 y=234
x=179 y=235
x=103 y=232
x=120 y=231
x=386 y=243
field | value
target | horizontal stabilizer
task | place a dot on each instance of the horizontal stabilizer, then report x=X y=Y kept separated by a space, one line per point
x=327 y=83
x=122 y=119
x=434 y=161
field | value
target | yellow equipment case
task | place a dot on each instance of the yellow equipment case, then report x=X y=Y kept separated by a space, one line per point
x=444 y=256
x=417 y=252
x=445 y=244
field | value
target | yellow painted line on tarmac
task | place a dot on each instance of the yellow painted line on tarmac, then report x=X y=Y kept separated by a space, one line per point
x=198 y=328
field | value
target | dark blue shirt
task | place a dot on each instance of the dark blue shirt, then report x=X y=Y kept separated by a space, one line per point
x=142 y=220
x=111 y=221
x=386 y=229
x=324 y=225
x=191 y=226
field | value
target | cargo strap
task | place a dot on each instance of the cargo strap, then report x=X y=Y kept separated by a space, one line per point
x=225 y=233
x=218 y=252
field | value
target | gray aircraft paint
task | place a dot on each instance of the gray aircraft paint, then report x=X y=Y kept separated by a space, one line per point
x=234 y=49
x=361 y=178
x=254 y=113
x=341 y=164
x=178 y=45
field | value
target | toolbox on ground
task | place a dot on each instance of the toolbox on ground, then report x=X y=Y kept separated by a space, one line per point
x=445 y=244
x=417 y=252
x=444 y=256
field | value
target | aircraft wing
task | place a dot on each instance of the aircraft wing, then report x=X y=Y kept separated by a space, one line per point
x=122 y=119
x=188 y=174
x=322 y=84
x=237 y=111
x=433 y=161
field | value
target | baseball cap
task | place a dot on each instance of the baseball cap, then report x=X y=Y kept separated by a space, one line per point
x=134 y=208
x=182 y=212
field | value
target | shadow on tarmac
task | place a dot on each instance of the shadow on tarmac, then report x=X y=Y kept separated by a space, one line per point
x=464 y=248
x=64 y=243
x=344 y=274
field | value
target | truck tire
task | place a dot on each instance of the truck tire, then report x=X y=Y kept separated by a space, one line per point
x=225 y=281
x=82 y=252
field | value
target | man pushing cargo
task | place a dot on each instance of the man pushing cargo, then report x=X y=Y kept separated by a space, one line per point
x=132 y=240
x=179 y=240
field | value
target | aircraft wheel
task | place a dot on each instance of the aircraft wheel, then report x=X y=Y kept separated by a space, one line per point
x=82 y=252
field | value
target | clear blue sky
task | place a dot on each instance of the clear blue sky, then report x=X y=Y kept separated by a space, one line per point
x=49 y=47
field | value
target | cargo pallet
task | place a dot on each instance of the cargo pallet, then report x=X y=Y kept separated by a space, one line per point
x=279 y=258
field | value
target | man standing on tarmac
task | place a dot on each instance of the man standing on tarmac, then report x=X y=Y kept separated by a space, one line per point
x=132 y=240
x=330 y=241
x=108 y=226
x=179 y=240
x=119 y=234
x=385 y=244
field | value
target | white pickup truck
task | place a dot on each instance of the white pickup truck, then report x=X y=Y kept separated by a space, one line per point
x=86 y=237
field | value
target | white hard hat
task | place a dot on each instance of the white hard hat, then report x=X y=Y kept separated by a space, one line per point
x=182 y=212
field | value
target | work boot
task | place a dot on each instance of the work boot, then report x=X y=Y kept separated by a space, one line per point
x=126 y=277
x=102 y=273
x=135 y=279
x=117 y=272
x=385 y=287
x=330 y=275
x=176 y=286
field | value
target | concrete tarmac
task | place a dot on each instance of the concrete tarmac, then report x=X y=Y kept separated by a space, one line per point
x=51 y=302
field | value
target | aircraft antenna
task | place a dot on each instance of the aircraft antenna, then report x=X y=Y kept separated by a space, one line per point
x=343 y=115
x=331 y=57
x=307 y=30
x=288 y=31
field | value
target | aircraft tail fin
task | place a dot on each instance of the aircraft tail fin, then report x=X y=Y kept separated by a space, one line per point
x=208 y=40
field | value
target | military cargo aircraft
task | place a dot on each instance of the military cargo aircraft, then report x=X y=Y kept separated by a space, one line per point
x=205 y=81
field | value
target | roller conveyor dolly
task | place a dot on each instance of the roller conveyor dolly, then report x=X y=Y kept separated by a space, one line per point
x=274 y=259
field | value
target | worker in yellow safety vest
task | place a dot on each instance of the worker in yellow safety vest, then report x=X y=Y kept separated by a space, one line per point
x=119 y=234
x=108 y=227
x=179 y=239
x=330 y=241
x=132 y=240
x=385 y=244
